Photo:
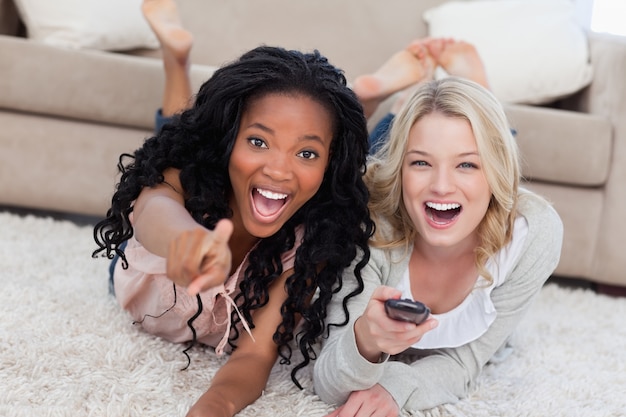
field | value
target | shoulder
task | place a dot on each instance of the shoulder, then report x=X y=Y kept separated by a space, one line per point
x=541 y=249
x=388 y=264
x=542 y=218
x=538 y=255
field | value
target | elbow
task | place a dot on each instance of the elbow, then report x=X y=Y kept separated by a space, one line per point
x=325 y=389
x=330 y=397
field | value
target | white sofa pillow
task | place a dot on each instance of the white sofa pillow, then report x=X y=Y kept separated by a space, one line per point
x=534 y=51
x=87 y=24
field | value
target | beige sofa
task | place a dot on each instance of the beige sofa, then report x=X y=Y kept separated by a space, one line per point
x=66 y=115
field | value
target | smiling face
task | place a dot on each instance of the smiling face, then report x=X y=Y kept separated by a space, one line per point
x=444 y=188
x=278 y=160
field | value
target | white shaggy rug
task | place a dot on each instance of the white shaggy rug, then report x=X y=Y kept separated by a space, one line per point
x=66 y=348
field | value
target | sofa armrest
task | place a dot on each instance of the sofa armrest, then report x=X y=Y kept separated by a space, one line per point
x=606 y=94
x=606 y=97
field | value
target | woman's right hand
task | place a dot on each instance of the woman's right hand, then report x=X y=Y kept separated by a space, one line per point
x=200 y=259
x=376 y=333
x=373 y=401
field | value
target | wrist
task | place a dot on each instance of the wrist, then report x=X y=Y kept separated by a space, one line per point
x=367 y=350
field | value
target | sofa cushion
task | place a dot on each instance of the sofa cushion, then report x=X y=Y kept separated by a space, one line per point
x=534 y=51
x=94 y=24
x=70 y=168
x=562 y=147
x=109 y=88
x=355 y=35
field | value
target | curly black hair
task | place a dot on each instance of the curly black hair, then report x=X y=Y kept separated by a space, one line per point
x=336 y=221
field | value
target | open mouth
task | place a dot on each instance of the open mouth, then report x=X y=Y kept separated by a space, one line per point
x=268 y=203
x=442 y=214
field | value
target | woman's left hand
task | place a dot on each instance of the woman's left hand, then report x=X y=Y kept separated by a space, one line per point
x=372 y=402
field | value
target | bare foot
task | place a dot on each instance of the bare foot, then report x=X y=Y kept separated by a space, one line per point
x=402 y=70
x=164 y=20
x=176 y=43
x=458 y=58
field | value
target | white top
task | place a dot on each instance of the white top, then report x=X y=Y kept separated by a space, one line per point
x=471 y=319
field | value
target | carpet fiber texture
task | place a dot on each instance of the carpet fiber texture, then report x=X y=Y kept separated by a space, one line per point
x=66 y=348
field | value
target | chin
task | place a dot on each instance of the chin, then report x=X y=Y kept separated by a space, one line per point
x=262 y=231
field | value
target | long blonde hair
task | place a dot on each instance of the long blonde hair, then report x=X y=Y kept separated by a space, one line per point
x=499 y=155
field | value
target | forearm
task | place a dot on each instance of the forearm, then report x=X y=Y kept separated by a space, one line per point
x=340 y=368
x=242 y=379
x=233 y=387
x=157 y=220
x=448 y=375
x=445 y=376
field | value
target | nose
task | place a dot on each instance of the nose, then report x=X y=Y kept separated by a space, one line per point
x=442 y=182
x=278 y=167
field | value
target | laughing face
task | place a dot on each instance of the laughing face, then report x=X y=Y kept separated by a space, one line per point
x=278 y=161
x=444 y=187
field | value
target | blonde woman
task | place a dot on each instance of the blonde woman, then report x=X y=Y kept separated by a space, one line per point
x=454 y=231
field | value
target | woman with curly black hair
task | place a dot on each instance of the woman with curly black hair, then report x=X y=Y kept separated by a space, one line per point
x=234 y=223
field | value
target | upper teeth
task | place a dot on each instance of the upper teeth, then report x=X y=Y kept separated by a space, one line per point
x=443 y=207
x=271 y=195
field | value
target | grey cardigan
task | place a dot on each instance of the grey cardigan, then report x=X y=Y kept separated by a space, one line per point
x=441 y=375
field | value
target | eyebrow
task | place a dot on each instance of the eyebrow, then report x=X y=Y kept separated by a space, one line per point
x=268 y=130
x=462 y=154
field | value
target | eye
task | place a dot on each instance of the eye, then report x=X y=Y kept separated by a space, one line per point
x=257 y=143
x=468 y=165
x=419 y=163
x=308 y=155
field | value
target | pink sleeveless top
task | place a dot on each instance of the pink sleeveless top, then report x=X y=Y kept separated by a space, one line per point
x=148 y=295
